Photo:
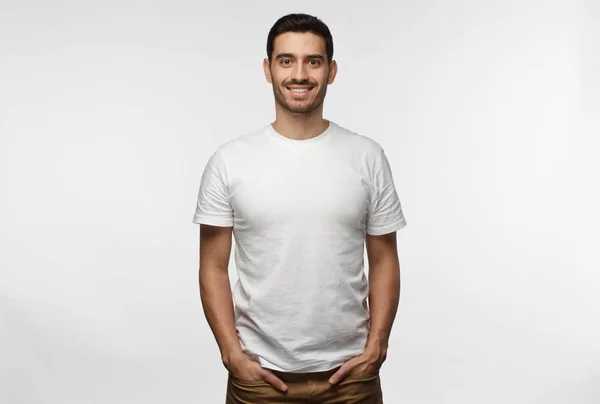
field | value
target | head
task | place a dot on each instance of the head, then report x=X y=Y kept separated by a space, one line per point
x=299 y=62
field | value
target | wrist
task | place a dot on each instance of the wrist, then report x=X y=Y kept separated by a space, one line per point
x=377 y=338
x=376 y=349
x=228 y=356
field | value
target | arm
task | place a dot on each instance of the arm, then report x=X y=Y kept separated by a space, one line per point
x=215 y=289
x=217 y=301
x=384 y=292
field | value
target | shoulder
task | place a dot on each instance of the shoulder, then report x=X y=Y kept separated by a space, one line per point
x=241 y=144
x=359 y=142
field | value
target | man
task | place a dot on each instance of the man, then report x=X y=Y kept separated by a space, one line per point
x=302 y=196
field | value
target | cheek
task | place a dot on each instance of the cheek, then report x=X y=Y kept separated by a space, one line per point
x=321 y=78
x=277 y=77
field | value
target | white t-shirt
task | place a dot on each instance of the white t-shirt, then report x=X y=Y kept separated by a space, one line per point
x=299 y=211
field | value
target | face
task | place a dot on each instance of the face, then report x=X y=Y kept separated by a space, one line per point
x=299 y=71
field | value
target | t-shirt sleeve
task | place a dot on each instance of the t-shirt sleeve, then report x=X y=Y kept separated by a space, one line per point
x=385 y=212
x=213 y=207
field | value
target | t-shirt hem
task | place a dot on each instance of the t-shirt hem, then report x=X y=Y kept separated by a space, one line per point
x=212 y=221
x=321 y=368
x=377 y=231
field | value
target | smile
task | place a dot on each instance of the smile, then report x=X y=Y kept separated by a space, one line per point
x=299 y=90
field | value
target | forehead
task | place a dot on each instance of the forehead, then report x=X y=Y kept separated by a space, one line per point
x=299 y=43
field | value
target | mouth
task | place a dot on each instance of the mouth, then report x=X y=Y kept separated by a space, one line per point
x=300 y=90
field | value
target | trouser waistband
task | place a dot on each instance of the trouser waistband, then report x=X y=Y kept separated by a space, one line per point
x=298 y=377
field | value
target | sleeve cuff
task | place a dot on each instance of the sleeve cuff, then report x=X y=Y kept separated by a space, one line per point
x=379 y=230
x=213 y=221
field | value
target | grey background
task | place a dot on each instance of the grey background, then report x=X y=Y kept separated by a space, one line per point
x=487 y=110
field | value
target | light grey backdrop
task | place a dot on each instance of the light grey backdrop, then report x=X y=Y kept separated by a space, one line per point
x=487 y=110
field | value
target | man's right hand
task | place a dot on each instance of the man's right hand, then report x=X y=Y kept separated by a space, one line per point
x=242 y=367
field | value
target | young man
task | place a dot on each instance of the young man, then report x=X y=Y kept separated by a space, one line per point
x=302 y=196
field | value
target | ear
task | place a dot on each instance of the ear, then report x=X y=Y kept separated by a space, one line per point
x=333 y=68
x=267 y=69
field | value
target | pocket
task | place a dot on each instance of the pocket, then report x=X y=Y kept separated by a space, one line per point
x=362 y=378
x=247 y=382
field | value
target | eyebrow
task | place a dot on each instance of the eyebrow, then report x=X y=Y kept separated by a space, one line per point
x=291 y=55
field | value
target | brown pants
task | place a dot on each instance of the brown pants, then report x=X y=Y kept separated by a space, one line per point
x=303 y=388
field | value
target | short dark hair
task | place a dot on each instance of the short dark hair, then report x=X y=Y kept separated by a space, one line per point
x=300 y=23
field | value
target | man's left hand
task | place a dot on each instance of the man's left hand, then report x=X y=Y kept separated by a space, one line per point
x=366 y=364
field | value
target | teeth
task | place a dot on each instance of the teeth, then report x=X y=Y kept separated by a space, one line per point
x=299 y=90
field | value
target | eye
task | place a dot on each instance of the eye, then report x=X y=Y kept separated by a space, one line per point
x=314 y=62
x=285 y=61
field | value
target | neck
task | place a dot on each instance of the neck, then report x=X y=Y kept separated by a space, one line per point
x=299 y=126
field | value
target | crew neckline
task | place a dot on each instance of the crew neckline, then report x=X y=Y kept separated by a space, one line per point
x=317 y=139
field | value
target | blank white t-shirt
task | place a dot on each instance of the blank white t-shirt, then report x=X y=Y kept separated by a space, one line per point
x=299 y=211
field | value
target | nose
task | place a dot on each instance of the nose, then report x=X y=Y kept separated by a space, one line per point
x=299 y=72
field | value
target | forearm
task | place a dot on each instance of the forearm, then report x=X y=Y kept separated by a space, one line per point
x=384 y=295
x=217 y=302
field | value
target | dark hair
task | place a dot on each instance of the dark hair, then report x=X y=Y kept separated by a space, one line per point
x=300 y=23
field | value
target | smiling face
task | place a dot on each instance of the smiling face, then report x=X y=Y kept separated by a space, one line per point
x=299 y=72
